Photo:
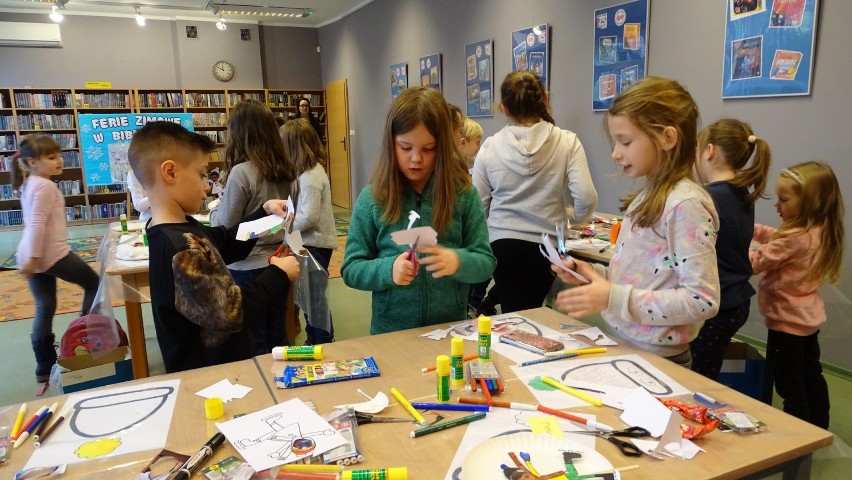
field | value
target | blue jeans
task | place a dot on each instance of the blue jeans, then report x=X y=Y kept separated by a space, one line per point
x=43 y=285
x=269 y=331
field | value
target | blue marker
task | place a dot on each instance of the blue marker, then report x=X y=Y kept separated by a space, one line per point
x=452 y=406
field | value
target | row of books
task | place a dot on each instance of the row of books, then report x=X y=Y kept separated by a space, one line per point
x=102 y=100
x=167 y=99
x=111 y=188
x=235 y=98
x=4 y=102
x=9 y=218
x=71 y=159
x=106 y=210
x=8 y=143
x=70 y=187
x=55 y=99
x=205 y=99
x=285 y=99
x=218 y=136
x=7 y=122
x=8 y=192
x=213 y=119
x=42 y=121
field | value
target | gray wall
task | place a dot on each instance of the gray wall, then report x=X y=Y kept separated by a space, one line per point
x=290 y=58
x=685 y=43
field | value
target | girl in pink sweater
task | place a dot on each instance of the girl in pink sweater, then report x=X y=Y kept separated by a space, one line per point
x=43 y=253
x=796 y=259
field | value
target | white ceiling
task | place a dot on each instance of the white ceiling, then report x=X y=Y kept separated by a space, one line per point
x=324 y=11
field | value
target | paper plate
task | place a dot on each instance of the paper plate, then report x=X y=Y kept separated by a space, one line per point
x=129 y=252
x=483 y=461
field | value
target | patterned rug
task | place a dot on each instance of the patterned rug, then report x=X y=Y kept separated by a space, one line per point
x=86 y=248
x=342 y=226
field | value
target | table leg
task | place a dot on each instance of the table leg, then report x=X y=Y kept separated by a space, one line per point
x=135 y=328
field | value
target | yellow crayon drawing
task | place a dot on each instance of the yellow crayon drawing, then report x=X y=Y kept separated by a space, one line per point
x=98 y=448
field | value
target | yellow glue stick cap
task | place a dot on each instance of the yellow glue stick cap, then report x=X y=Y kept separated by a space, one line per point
x=457 y=346
x=213 y=408
x=484 y=325
x=442 y=365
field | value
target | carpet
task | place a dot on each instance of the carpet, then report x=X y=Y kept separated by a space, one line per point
x=342 y=226
x=86 y=248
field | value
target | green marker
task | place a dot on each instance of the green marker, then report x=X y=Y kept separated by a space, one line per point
x=448 y=424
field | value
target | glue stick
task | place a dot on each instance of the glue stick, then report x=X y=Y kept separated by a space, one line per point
x=123 y=219
x=309 y=352
x=397 y=473
x=144 y=237
x=484 y=338
x=442 y=371
x=457 y=352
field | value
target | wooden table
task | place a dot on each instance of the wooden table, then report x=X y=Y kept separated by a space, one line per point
x=400 y=355
x=189 y=427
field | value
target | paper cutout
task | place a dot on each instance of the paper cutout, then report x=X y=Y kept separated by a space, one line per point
x=294 y=241
x=549 y=252
x=375 y=405
x=225 y=390
x=259 y=228
x=420 y=237
x=441 y=333
x=596 y=335
x=641 y=409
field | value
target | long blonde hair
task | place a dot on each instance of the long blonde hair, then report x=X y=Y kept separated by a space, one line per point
x=820 y=204
x=652 y=104
x=413 y=107
x=738 y=144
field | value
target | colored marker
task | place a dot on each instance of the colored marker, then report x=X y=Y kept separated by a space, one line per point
x=540 y=408
x=43 y=437
x=467 y=358
x=451 y=407
x=29 y=431
x=549 y=359
x=31 y=420
x=285 y=475
x=200 y=457
x=405 y=403
x=311 y=467
x=448 y=424
x=582 y=351
x=485 y=390
x=19 y=421
x=42 y=424
x=582 y=396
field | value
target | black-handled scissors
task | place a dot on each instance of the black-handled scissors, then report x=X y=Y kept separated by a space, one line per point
x=365 y=418
x=627 y=448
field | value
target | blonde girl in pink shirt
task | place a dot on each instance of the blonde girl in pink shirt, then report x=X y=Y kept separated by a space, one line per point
x=795 y=259
x=43 y=253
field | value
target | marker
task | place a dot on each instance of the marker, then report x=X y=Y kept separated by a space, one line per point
x=448 y=424
x=29 y=431
x=405 y=403
x=311 y=467
x=19 y=421
x=466 y=358
x=582 y=351
x=451 y=407
x=520 y=345
x=540 y=408
x=52 y=427
x=582 y=396
x=31 y=420
x=200 y=457
x=42 y=424
x=285 y=475
x=549 y=359
x=485 y=390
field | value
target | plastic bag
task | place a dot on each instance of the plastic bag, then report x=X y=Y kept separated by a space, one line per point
x=312 y=291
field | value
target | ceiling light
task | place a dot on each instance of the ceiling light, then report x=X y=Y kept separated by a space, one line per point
x=55 y=15
x=221 y=23
x=140 y=20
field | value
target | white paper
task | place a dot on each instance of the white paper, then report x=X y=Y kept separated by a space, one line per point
x=586 y=244
x=376 y=405
x=294 y=241
x=106 y=423
x=641 y=409
x=551 y=254
x=596 y=335
x=259 y=228
x=280 y=434
x=424 y=236
x=225 y=390
x=441 y=333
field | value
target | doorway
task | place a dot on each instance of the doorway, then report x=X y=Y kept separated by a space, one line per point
x=337 y=106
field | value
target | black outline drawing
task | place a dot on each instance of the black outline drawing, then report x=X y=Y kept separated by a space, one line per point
x=519 y=322
x=280 y=433
x=629 y=370
x=79 y=406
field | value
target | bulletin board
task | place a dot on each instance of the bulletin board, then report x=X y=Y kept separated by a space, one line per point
x=479 y=78
x=530 y=52
x=430 y=71
x=621 y=55
x=398 y=78
x=769 y=47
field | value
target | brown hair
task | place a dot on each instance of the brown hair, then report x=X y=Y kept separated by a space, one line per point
x=457 y=117
x=159 y=141
x=32 y=146
x=415 y=106
x=820 y=204
x=302 y=144
x=652 y=104
x=524 y=97
x=737 y=142
x=253 y=137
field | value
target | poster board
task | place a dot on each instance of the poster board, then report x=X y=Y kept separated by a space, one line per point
x=430 y=71
x=398 y=78
x=530 y=51
x=479 y=78
x=620 y=50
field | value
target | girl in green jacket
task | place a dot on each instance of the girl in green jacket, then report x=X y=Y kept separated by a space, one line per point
x=420 y=168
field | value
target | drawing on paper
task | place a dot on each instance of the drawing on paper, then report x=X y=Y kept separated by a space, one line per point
x=87 y=419
x=519 y=323
x=618 y=373
x=98 y=448
x=291 y=437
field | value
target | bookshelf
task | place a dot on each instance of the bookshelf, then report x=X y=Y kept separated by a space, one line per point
x=55 y=111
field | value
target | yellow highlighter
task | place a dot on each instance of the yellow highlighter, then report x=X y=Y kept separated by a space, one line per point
x=582 y=351
x=582 y=396
x=405 y=403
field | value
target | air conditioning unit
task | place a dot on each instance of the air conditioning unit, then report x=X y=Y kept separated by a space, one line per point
x=18 y=34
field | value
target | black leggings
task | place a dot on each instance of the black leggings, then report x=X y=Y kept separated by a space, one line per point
x=793 y=363
x=523 y=276
x=43 y=285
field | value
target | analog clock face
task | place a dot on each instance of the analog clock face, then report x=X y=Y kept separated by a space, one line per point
x=223 y=71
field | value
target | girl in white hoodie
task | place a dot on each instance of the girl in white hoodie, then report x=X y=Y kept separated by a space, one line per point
x=527 y=175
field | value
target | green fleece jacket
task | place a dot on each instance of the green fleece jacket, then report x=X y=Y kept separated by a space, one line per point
x=370 y=253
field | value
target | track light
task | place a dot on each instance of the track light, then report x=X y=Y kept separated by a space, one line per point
x=55 y=15
x=221 y=23
x=140 y=20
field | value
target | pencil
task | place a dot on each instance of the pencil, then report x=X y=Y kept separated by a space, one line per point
x=582 y=396
x=467 y=358
x=448 y=424
x=19 y=421
x=582 y=351
x=551 y=358
x=405 y=403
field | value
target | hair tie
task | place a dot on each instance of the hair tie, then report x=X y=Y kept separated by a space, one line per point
x=752 y=139
x=794 y=176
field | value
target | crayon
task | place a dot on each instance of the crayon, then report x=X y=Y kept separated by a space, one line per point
x=582 y=396
x=451 y=407
x=437 y=427
x=407 y=405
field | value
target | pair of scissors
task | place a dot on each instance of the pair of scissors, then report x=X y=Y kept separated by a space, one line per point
x=282 y=249
x=627 y=448
x=365 y=418
x=412 y=255
x=560 y=239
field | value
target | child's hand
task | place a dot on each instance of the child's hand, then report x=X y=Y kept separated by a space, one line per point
x=587 y=299
x=289 y=264
x=402 y=271
x=278 y=207
x=565 y=276
x=28 y=269
x=441 y=261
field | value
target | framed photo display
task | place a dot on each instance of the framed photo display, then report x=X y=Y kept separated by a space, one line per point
x=530 y=51
x=479 y=78
x=430 y=71
x=621 y=56
x=769 y=47
x=398 y=78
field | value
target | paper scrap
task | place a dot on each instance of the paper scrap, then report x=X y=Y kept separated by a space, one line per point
x=294 y=241
x=596 y=335
x=641 y=409
x=441 y=333
x=225 y=390
x=423 y=236
x=549 y=252
x=259 y=228
x=376 y=405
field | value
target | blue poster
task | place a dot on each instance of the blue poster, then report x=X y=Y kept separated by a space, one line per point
x=105 y=138
x=529 y=51
x=430 y=71
x=479 y=79
x=621 y=57
x=769 y=47
x=399 y=78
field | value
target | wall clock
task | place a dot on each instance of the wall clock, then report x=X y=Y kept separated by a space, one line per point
x=223 y=71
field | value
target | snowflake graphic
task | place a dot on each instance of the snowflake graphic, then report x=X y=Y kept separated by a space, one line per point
x=187 y=123
x=95 y=177
x=94 y=152
x=85 y=128
x=104 y=167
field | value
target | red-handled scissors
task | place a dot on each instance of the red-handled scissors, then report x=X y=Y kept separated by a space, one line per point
x=282 y=249
x=412 y=256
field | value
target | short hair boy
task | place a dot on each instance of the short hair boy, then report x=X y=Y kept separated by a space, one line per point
x=198 y=309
